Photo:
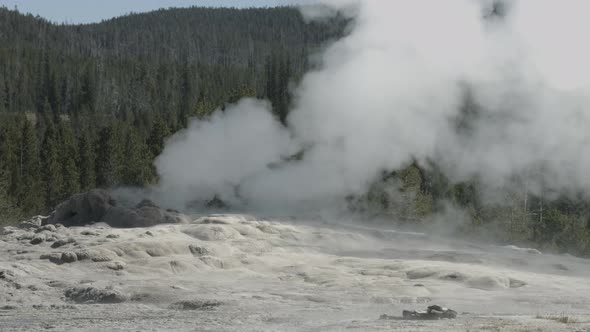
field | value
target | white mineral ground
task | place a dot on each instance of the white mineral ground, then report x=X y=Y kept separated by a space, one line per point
x=237 y=273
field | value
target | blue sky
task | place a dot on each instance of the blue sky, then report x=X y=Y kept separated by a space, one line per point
x=87 y=11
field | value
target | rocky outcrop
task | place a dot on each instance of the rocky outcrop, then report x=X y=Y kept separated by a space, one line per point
x=89 y=295
x=99 y=206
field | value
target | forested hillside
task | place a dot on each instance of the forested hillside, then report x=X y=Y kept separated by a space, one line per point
x=84 y=106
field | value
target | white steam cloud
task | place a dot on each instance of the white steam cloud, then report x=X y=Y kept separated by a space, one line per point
x=393 y=91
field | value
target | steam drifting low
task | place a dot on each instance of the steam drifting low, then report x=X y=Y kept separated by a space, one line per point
x=393 y=91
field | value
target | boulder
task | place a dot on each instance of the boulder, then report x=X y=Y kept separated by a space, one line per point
x=54 y=257
x=82 y=209
x=68 y=257
x=199 y=250
x=99 y=206
x=38 y=239
x=32 y=223
x=62 y=242
x=95 y=295
x=433 y=312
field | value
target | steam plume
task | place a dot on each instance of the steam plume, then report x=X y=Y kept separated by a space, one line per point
x=394 y=91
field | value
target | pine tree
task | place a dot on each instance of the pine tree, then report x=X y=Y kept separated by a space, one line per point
x=46 y=110
x=271 y=79
x=136 y=169
x=29 y=195
x=204 y=107
x=8 y=210
x=88 y=90
x=69 y=161
x=53 y=93
x=42 y=81
x=51 y=164
x=9 y=213
x=108 y=158
x=278 y=74
x=186 y=103
x=6 y=97
x=3 y=95
x=87 y=162
x=157 y=136
x=10 y=153
x=284 y=97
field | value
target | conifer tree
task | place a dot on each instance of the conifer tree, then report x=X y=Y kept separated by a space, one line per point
x=29 y=194
x=51 y=164
x=204 y=107
x=69 y=161
x=88 y=90
x=8 y=210
x=3 y=96
x=108 y=163
x=9 y=213
x=186 y=103
x=284 y=97
x=137 y=169
x=87 y=162
x=157 y=136
x=278 y=74
x=10 y=152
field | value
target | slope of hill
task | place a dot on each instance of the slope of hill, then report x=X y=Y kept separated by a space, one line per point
x=213 y=50
x=103 y=97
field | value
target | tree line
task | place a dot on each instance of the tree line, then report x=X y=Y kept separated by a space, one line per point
x=423 y=195
x=86 y=106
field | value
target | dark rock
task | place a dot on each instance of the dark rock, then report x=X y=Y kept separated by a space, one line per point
x=198 y=250
x=32 y=223
x=146 y=203
x=62 y=242
x=53 y=257
x=96 y=255
x=58 y=283
x=98 y=206
x=95 y=295
x=116 y=266
x=69 y=257
x=195 y=305
x=51 y=238
x=37 y=239
x=515 y=283
x=82 y=209
x=6 y=275
x=433 y=312
x=128 y=218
